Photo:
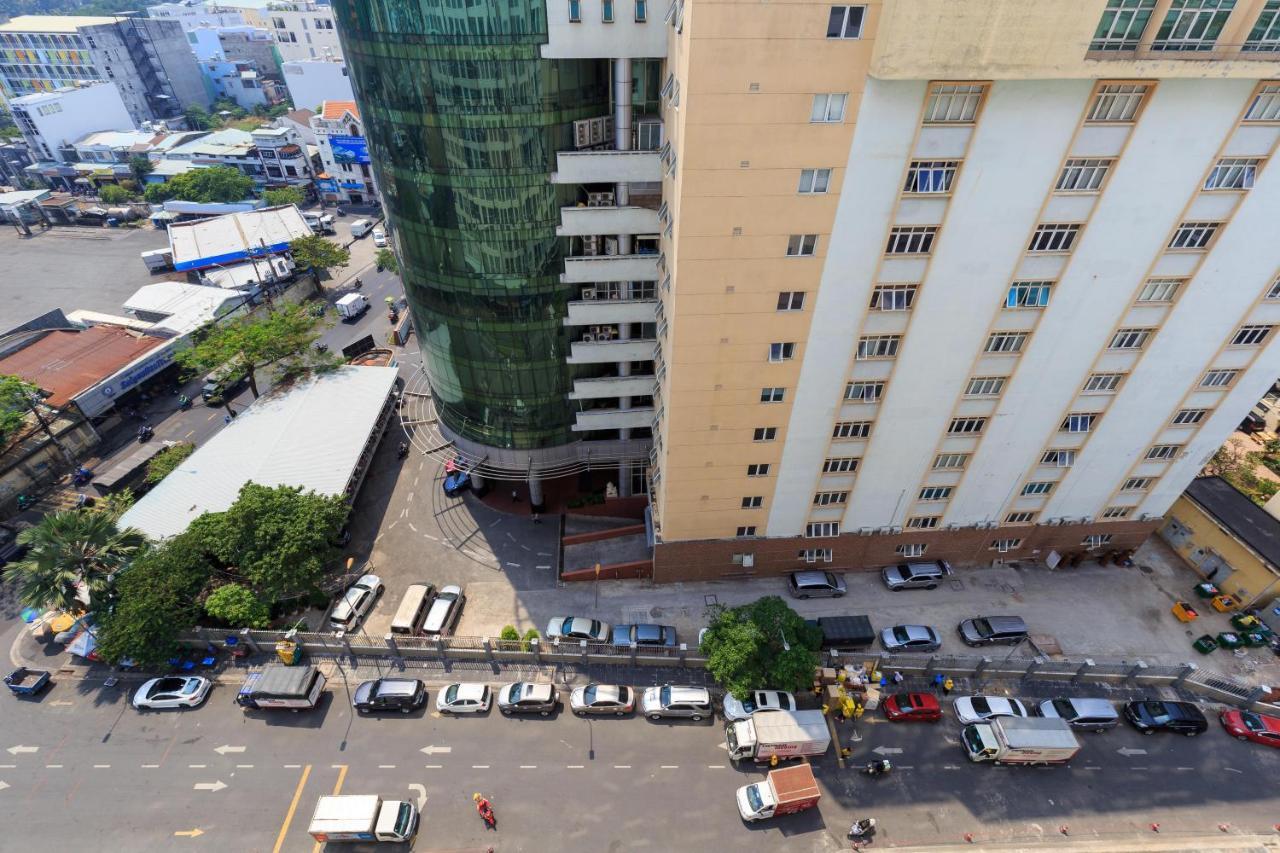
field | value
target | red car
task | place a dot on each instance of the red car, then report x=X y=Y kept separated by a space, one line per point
x=913 y=707
x=1246 y=725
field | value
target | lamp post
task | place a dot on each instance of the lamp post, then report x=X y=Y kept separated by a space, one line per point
x=33 y=403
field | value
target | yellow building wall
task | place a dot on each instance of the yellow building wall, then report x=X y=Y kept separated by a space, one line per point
x=1249 y=577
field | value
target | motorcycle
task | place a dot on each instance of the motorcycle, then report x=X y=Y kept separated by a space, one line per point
x=340 y=211
x=357 y=284
x=878 y=768
x=402 y=451
x=145 y=433
x=184 y=402
x=322 y=348
x=485 y=809
x=862 y=829
x=82 y=476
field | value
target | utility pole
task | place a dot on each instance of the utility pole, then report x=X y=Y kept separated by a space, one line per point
x=33 y=403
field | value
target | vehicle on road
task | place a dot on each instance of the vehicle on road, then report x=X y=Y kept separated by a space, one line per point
x=279 y=687
x=179 y=691
x=816 y=585
x=691 y=703
x=379 y=238
x=1017 y=740
x=412 y=610
x=1246 y=725
x=355 y=603
x=455 y=483
x=758 y=700
x=913 y=708
x=786 y=734
x=974 y=709
x=27 y=682
x=786 y=790
x=464 y=698
x=923 y=575
x=644 y=634
x=990 y=630
x=390 y=694
x=578 y=628
x=910 y=638
x=321 y=223
x=223 y=383
x=1157 y=715
x=445 y=612
x=1095 y=715
x=351 y=306
x=528 y=697
x=362 y=817
x=845 y=633
x=361 y=227
x=616 y=699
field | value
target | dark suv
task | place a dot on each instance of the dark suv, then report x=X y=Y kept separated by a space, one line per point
x=1154 y=715
x=390 y=694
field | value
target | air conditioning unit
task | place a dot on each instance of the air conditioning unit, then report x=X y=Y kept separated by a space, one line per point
x=866 y=531
x=582 y=133
x=1055 y=522
x=895 y=530
x=588 y=293
x=1146 y=516
x=588 y=339
x=611 y=245
x=598 y=130
x=1088 y=519
x=599 y=199
x=591 y=245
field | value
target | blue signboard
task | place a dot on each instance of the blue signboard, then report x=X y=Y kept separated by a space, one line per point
x=349 y=149
x=327 y=185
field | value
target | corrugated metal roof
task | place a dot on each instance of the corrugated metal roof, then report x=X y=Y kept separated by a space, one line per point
x=221 y=239
x=66 y=363
x=309 y=435
x=53 y=23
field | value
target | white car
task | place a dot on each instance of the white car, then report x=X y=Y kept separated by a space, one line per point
x=379 y=238
x=975 y=709
x=177 y=691
x=759 y=700
x=578 y=628
x=463 y=699
x=355 y=603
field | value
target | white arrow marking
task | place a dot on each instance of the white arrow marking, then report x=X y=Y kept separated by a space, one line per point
x=14 y=750
x=61 y=702
x=1127 y=751
x=3 y=785
x=421 y=791
x=224 y=749
x=887 y=750
x=436 y=750
x=210 y=786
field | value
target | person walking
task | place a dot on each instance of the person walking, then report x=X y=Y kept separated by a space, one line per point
x=947 y=686
x=937 y=683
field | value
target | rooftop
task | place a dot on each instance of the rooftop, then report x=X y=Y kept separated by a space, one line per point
x=335 y=110
x=231 y=238
x=64 y=363
x=229 y=142
x=53 y=23
x=21 y=197
x=55 y=94
x=302 y=117
x=1250 y=523
x=274 y=442
x=142 y=139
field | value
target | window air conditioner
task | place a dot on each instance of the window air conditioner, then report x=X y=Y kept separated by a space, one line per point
x=582 y=133
x=611 y=245
x=588 y=339
x=588 y=293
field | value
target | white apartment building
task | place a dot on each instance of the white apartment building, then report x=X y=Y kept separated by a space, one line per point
x=195 y=14
x=314 y=81
x=302 y=31
x=51 y=122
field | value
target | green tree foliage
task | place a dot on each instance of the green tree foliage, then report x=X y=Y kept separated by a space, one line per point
x=66 y=550
x=283 y=195
x=154 y=602
x=316 y=252
x=762 y=644
x=163 y=463
x=198 y=118
x=387 y=259
x=140 y=166
x=15 y=403
x=1239 y=467
x=112 y=194
x=284 y=336
x=212 y=184
x=237 y=606
x=115 y=504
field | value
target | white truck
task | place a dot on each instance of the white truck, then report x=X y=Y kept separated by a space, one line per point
x=158 y=260
x=352 y=305
x=1020 y=740
x=786 y=790
x=786 y=734
x=321 y=223
x=363 y=817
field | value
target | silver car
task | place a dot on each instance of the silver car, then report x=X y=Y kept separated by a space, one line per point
x=910 y=638
x=578 y=628
x=692 y=703
x=1093 y=715
x=527 y=697
x=355 y=603
x=617 y=699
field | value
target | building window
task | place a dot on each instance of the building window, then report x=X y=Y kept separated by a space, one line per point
x=606 y=11
x=1096 y=540
x=753 y=502
x=845 y=22
x=923 y=522
x=830 y=498
x=1058 y=458
x=1129 y=339
x=1265 y=35
x=791 y=300
x=772 y=395
x=911 y=550
x=1160 y=289
x=575 y=11
x=878 y=346
x=821 y=529
x=1079 y=422
x=953 y=104
x=984 y=386
x=851 y=429
x=1028 y=294
x=930 y=176
x=950 y=461
x=1054 y=238
x=1122 y=24
x=1189 y=417
x=1250 y=336
x=1136 y=484
x=1102 y=383
x=898 y=297
x=864 y=392
x=935 y=493
x=801 y=245
x=642 y=15
x=1117 y=102
x=1273 y=292
x=1192 y=25
x=1020 y=518
x=1004 y=545
x=782 y=352
x=1083 y=175
x=1163 y=452
x=748 y=530
x=1114 y=513
x=758 y=470
x=966 y=426
x=1037 y=488
x=1233 y=173
x=828 y=108
x=1194 y=235
x=1006 y=342
x=814 y=181
x=911 y=239
x=840 y=465
x=765 y=434
x=815 y=555
x=1266 y=104
x=745 y=560
x=1219 y=378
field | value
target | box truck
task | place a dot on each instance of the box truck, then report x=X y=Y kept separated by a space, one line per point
x=321 y=223
x=363 y=817
x=786 y=734
x=786 y=790
x=352 y=305
x=1020 y=740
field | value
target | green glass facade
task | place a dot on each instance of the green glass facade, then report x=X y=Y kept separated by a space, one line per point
x=464 y=119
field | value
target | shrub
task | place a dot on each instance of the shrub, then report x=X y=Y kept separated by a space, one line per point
x=237 y=606
x=163 y=463
x=509 y=633
x=112 y=194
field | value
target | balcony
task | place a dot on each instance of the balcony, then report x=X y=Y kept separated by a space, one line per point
x=610 y=268
x=612 y=386
x=608 y=352
x=606 y=167
x=613 y=419
x=588 y=221
x=598 y=312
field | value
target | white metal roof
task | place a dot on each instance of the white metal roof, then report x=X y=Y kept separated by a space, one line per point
x=53 y=23
x=309 y=435
x=230 y=238
x=176 y=297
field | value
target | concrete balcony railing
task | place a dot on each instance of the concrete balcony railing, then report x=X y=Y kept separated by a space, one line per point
x=612 y=386
x=606 y=167
x=610 y=268
x=599 y=312
x=613 y=419
x=606 y=352
x=587 y=221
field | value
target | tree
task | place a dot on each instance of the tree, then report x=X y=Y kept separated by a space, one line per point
x=15 y=404
x=141 y=167
x=154 y=601
x=207 y=185
x=315 y=252
x=1239 y=467
x=285 y=337
x=68 y=551
x=198 y=118
x=115 y=504
x=112 y=194
x=387 y=259
x=759 y=644
x=283 y=195
x=238 y=607
x=163 y=463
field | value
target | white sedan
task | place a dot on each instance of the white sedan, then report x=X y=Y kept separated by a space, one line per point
x=355 y=603
x=759 y=700
x=975 y=709
x=463 y=699
x=379 y=238
x=179 y=691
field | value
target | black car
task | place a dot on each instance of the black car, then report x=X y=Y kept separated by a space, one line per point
x=390 y=694
x=1154 y=715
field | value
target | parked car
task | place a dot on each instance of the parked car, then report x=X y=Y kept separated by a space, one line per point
x=692 y=703
x=445 y=611
x=816 y=585
x=379 y=238
x=925 y=575
x=355 y=603
x=913 y=708
x=759 y=700
x=1094 y=715
x=578 y=628
x=361 y=227
x=527 y=697
x=910 y=638
x=990 y=630
x=644 y=634
x=1156 y=715
x=616 y=699
x=463 y=699
x=389 y=694
x=456 y=483
x=179 y=691
x=975 y=709
x=1246 y=725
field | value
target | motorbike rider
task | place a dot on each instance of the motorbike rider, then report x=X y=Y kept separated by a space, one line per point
x=877 y=768
x=862 y=828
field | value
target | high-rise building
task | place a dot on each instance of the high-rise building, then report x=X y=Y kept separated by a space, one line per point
x=972 y=280
x=303 y=30
x=51 y=122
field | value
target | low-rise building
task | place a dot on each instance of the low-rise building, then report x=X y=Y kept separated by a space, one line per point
x=227 y=147
x=344 y=152
x=51 y=122
x=284 y=157
x=235 y=237
x=15 y=157
x=311 y=82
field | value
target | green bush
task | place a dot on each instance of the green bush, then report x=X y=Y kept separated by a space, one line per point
x=531 y=634
x=237 y=606
x=112 y=194
x=163 y=463
x=509 y=633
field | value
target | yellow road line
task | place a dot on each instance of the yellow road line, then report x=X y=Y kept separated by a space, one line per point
x=337 y=789
x=293 y=807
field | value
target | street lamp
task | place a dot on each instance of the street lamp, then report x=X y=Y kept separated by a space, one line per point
x=786 y=647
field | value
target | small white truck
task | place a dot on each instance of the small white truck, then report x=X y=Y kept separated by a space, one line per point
x=321 y=223
x=1020 y=740
x=786 y=734
x=363 y=817
x=786 y=790
x=352 y=306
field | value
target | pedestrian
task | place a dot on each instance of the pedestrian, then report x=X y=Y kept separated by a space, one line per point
x=515 y=496
x=226 y=419
x=947 y=685
x=937 y=683
x=537 y=519
x=897 y=676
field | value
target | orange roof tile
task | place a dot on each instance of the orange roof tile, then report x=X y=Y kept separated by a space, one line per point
x=336 y=109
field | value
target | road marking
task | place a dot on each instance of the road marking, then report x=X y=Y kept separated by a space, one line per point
x=1232 y=770
x=150 y=766
x=1128 y=751
x=336 y=766
x=190 y=833
x=1140 y=768
x=431 y=749
x=61 y=703
x=479 y=766
x=386 y=767
x=225 y=748
x=622 y=767
x=542 y=567
x=1186 y=768
x=409 y=498
x=528 y=767
x=1090 y=768
x=951 y=767
x=293 y=807
x=286 y=767
x=512 y=538
x=887 y=750
x=432 y=538
x=197 y=766
x=715 y=766
x=3 y=785
x=15 y=750
x=411 y=527
x=906 y=767
x=102 y=767
x=8 y=766
x=244 y=766
x=670 y=767
x=53 y=766
x=573 y=767
x=209 y=786
x=434 y=766
x=189 y=433
x=516 y=565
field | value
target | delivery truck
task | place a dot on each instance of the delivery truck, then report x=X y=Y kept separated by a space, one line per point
x=786 y=734
x=297 y=688
x=352 y=306
x=786 y=790
x=1020 y=740
x=321 y=223
x=363 y=817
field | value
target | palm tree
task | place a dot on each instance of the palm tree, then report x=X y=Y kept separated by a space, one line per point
x=67 y=550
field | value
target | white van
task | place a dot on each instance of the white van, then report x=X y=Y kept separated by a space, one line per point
x=413 y=609
x=361 y=227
